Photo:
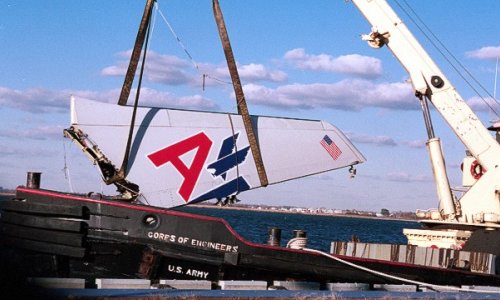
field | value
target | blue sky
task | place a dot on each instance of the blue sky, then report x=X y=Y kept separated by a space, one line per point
x=296 y=59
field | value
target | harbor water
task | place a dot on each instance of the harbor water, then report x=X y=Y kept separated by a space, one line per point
x=321 y=230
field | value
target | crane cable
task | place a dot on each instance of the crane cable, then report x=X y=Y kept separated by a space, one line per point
x=183 y=47
x=455 y=60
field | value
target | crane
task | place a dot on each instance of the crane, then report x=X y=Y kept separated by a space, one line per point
x=478 y=207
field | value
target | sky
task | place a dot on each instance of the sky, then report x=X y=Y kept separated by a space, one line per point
x=300 y=59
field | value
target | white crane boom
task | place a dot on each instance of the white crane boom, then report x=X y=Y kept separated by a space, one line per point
x=480 y=204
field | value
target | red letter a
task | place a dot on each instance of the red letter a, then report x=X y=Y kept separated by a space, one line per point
x=172 y=154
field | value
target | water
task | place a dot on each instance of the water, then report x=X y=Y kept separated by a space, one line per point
x=321 y=230
x=5 y=197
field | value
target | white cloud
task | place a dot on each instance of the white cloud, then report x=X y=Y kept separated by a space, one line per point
x=380 y=140
x=22 y=152
x=415 y=144
x=165 y=99
x=490 y=52
x=8 y=151
x=47 y=101
x=39 y=133
x=248 y=73
x=482 y=104
x=172 y=70
x=165 y=69
x=406 y=177
x=352 y=64
x=399 y=176
x=258 y=72
x=351 y=95
x=34 y=100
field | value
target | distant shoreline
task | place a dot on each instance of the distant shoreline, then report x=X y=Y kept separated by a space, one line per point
x=278 y=210
x=246 y=208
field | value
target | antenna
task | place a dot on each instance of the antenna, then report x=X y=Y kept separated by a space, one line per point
x=495 y=84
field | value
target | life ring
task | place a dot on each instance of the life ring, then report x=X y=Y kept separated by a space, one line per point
x=476 y=170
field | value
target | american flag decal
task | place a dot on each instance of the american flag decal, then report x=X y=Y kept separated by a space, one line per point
x=331 y=147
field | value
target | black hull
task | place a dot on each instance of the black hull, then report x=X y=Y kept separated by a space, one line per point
x=51 y=234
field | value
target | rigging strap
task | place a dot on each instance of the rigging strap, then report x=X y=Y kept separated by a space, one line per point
x=136 y=53
x=142 y=39
x=240 y=97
